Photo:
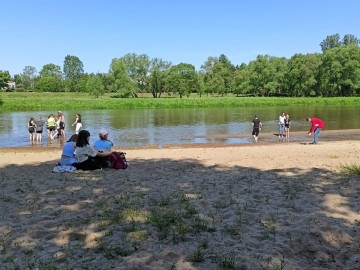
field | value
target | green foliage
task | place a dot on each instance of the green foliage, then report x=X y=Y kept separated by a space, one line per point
x=4 y=78
x=182 y=79
x=333 y=73
x=94 y=86
x=350 y=169
x=49 y=84
x=18 y=101
x=120 y=82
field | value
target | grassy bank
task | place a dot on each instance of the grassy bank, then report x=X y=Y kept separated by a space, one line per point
x=72 y=101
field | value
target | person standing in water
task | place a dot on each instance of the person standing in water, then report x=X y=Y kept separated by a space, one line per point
x=256 y=123
x=77 y=123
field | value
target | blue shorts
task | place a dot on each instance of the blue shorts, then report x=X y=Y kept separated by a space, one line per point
x=281 y=128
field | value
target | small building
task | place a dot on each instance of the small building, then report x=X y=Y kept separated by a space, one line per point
x=11 y=85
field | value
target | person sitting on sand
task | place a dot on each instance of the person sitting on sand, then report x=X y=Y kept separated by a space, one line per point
x=86 y=154
x=68 y=157
x=103 y=144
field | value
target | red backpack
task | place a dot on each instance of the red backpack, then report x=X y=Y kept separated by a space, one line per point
x=118 y=161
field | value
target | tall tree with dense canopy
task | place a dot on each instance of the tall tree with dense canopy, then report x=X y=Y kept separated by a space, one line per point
x=73 y=69
x=120 y=82
x=330 y=42
x=137 y=67
x=182 y=79
x=350 y=40
x=51 y=70
x=28 y=77
x=94 y=86
x=158 y=69
x=301 y=75
x=339 y=71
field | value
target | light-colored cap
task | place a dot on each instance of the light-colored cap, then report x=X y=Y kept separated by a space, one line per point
x=103 y=132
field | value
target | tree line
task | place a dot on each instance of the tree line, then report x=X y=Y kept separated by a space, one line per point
x=334 y=72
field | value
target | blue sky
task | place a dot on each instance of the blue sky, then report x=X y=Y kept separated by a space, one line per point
x=40 y=32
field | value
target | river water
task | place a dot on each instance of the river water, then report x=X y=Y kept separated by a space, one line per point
x=158 y=127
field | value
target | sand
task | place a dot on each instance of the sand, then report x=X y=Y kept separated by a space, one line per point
x=254 y=206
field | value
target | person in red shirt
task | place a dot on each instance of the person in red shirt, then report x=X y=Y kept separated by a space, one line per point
x=316 y=125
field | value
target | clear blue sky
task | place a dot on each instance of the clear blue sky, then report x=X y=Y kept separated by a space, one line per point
x=40 y=32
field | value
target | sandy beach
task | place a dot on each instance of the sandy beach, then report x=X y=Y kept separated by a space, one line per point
x=253 y=206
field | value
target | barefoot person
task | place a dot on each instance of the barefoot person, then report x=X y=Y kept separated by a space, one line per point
x=77 y=123
x=287 y=127
x=31 y=128
x=282 y=127
x=39 y=128
x=256 y=123
x=316 y=125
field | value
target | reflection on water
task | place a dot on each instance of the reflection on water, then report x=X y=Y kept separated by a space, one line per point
x=177 y=126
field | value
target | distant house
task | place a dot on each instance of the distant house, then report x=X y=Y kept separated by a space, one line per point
x=11 y=85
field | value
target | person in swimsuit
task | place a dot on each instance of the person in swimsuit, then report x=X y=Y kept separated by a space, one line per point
x=61 y=119
x=31 y=128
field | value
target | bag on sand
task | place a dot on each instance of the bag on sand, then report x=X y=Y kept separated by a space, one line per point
x=118 y=161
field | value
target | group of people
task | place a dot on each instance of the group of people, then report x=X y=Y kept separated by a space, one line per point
x=284 y=127
x=55 y=126
x=79 y=153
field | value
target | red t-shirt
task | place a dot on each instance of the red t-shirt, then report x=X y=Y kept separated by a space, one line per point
x=316 y=123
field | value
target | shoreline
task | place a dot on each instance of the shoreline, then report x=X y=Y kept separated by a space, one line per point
x=297 y=137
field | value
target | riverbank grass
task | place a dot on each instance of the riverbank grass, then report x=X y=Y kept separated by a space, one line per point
x=81 y=101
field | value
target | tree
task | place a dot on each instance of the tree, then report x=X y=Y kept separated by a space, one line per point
x=49 y=84
x=339 y=71
x=266 y=75
x=51 y=70
x=350 y=40
x=4 y=78
x=50 y=79
x=333 y=41
x=137 y=67
x=159 y=70
x=208 y=64
x=94 y=86
x=182 y=79
x=330 y=42
x=301 y=74
x=120 y=82
x=73 y=69
x=29 y=77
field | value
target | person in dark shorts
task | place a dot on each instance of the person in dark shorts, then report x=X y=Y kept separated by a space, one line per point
x=51 y=126
x=256 y=123
x=287 y=127
x=31 y=128
x=39 y=128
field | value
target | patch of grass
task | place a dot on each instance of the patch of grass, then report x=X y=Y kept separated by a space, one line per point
x=197 y=256
x=350 y=169
x=227 y=261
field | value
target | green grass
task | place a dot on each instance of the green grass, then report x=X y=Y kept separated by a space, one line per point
x=75 y=101
x=350 y=169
